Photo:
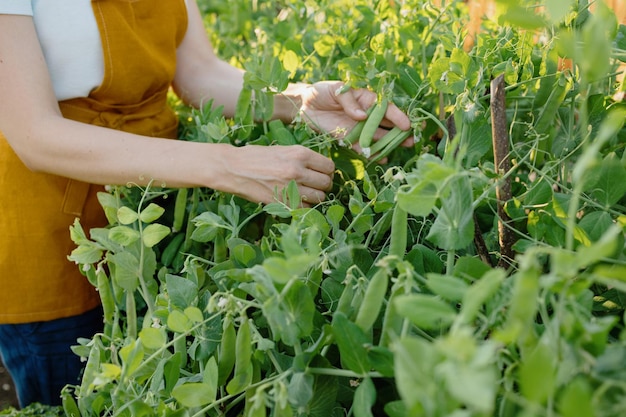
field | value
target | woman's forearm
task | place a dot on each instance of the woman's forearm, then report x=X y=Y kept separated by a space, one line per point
x=106 y=156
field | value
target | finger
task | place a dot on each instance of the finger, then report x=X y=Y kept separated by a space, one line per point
x=351 y=106
x=397 y=117
x=310 y=196
x=321 y=164
x=317 y=181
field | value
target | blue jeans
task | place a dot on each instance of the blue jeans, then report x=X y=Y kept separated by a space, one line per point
x=39 y=358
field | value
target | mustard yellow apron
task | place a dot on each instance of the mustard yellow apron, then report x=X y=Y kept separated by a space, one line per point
x=37 y=282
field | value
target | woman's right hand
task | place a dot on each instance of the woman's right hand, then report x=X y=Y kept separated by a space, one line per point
x=260 y=173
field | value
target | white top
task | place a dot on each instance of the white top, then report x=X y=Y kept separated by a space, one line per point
x=70 y=39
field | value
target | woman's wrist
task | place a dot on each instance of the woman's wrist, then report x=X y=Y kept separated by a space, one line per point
x=287 y=105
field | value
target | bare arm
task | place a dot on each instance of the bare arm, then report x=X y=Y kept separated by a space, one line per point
x=201 y=75
x=47 y=142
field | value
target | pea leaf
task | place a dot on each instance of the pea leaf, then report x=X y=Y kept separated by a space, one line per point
x=125 y=270
x=123 y=235
x=290 y=313
x=537 y=374
x=206 y=226
x=151 y=213
x=577 y=400
x=364 y=398
x=193 y=394
x=125 y=215
x=447 y=286
x=181 y=291
x=454 y=226
x=425 y=311
x=154 y=233
x=300 y=389
x=351 y=341
x=178 y=322
x=152 y=338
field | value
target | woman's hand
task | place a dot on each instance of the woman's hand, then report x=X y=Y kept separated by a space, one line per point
x=328 y=110
x=260 y=173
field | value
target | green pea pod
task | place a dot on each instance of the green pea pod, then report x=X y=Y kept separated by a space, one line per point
x=545 y=120
x=372 y=300
x=398 y=238
x=70 y=408
x=226 y=361
x=354 y=133
x=172 y=249
x=546 y=83
x=345 y=299
x=388 y=143
x=373 y=122
x=243 y=347
x=390 y=137
x=106 y=296
x=180 y=206
x=392 y=321
x=243 y=366
x=220 y=248
x=131 y=315
x=91 y=368
x=180 y=346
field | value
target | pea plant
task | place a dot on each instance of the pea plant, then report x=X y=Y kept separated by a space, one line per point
x=478 y=273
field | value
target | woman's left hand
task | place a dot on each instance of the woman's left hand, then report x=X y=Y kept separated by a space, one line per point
x=327 y=109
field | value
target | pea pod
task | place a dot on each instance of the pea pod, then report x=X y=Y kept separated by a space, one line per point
x=388 y=143
x=546 y=83
x=91 y=368
x=345 y=299
x=180 y=346
x=180 y=207
x=70 y=408
x=398 y=238
x=392 y=321
x=373 y=122
x=227 y=352
x=131 y=315
x=544 y=125
x=106 y=296
x=243 y=347
x=372 y=300
x=354 y=133
x=243 y=364
x=554 y=101
x=172 y=249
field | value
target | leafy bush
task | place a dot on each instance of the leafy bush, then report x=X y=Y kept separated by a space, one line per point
x=35 y=409
x=434 y=284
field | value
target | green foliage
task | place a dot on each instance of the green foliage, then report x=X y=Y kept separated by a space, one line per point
x=34 y=409
x=382 y=300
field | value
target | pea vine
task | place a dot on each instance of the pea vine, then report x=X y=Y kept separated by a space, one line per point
x=393 y=297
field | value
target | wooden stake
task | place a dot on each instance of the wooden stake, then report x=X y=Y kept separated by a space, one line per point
x=499 y=131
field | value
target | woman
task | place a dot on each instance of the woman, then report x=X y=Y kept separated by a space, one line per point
x=83 y=89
